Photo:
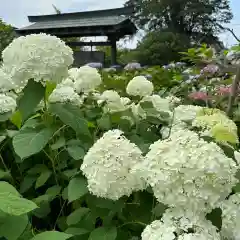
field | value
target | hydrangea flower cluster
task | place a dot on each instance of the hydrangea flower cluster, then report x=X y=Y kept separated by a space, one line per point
x=85 y=79
x=6 y=83
x=214 y=122
x=113 y=102
x=65 y=94
x=7 y=104
x=107 y=166
x=231 y=217
x=186 y=171
x=139 y=86
x=38 y=56
x=179 y=224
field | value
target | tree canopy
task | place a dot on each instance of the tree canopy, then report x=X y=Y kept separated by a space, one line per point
x=161 y=47
x=198 y=19
x=6 y=35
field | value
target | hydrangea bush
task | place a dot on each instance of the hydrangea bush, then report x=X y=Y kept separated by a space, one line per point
x=107 y=156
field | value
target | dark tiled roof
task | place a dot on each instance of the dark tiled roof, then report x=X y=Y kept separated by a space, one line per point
x=77 y=22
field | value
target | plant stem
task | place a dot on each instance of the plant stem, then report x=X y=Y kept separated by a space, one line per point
x=53 y=166
x=139 y=223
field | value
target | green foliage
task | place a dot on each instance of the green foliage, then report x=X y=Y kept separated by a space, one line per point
x=198 y=20
x=43 y=193
x=161 y=47
x=6 y=36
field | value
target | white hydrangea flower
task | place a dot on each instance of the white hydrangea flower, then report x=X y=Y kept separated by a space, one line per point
x=107 y=166
x=160 y=104
x=7 y=104
x=113 y=101
x=66 y=82
x=231 y=217
x=186 y=113
x=174 y=101
x=85 y=78
x=184 y=170
x=37 y=56
x=5 y=82
x=175 y=225
x=110 y=96
x=65 y=94
x=139 y=86
x=215 y=122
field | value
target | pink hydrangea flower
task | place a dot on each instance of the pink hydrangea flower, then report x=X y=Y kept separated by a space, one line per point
x=198 y=96
x=224 y=91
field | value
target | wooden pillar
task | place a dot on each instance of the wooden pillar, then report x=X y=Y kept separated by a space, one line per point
x=113 y=51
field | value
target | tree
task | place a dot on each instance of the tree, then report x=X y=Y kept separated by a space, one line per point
x=199 y=19
x=161 y=47
x=6 y=36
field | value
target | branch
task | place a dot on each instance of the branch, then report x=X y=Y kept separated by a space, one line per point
x=230 y=30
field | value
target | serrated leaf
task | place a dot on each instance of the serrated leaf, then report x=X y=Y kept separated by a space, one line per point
x=71 y=116
x=77 y=216
x=33 y=93
x=52 y=235
x=76 y=152
x=31 y=141
x=59 y=143
x=13 y=227
x=77 y=231
x=103 y=234
x=14 y=205
x=42 y=179
x=77 y=188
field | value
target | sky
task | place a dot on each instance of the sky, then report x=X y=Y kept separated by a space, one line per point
x=15 y=12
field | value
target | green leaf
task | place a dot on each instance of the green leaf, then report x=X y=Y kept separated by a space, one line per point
x=27 y=183
x=71 y=116
x=2 y=138
x=13 y=227
x=103 y=234
x=77 y=231
x=14 y=205
x=70 y=173
x=50 y=86
x=5 y=175
x=31 y=141
x=53 y=191
x=77 y=216
x=16 y=119
x=104 y=122
x=76 y=152
x=6 y=187
x=77 y=188
x=5 y=116
x=42 y=179
x=33 y=93
x=38 y=168
x=52 y=235
x=59 y=143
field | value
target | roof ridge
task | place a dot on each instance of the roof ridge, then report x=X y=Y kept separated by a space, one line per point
x=86 y=14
